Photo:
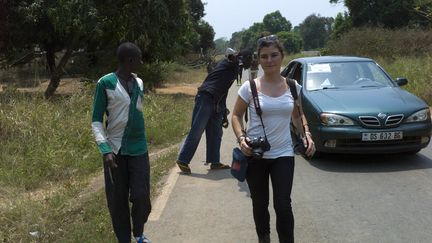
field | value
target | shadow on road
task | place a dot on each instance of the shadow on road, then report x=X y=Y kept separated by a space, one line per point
x=243 y=187
x=371 y=163
x=215 y=175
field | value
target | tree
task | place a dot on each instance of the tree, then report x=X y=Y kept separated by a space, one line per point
x=385 y=13
x=247 y=38
x=424 y=8
x=292 y=42
x=196 y=9
x=251 y=35
x=61 y=27
x=206 y=35
x=275 y=22
x=202 y=39
x=236 y=40
x=342 y=24
x=221 y=45
x=315 y=31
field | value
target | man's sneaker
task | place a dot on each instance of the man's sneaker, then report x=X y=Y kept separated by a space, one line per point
x=142 y=239
x=219 y=166
x=183 y=167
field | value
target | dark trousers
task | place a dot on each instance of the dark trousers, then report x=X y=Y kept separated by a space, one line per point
x=206 y=116
x=281 y=171
x=130 y=181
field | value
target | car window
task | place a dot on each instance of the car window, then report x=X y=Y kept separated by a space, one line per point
x=377 y=74
x=345 y=74
x=316 y=75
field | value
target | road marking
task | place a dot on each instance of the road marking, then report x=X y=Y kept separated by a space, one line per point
x=162 y=199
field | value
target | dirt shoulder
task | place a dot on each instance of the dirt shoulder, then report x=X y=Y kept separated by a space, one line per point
x=188 y=89
x=73 y=85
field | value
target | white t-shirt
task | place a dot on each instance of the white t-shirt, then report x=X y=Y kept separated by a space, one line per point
x=276 y=115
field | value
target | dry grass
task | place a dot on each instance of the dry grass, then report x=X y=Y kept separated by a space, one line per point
x=48 y=156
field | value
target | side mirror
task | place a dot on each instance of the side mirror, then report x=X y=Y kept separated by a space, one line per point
x=401 y=81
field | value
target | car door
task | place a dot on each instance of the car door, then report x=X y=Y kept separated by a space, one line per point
x=294 y=71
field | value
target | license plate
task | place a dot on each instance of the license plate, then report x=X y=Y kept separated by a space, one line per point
x=380 y=136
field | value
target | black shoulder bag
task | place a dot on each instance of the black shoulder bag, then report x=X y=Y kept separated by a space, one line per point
x=297 y=136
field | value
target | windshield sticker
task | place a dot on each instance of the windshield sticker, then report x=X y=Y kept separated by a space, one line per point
x=319 y=68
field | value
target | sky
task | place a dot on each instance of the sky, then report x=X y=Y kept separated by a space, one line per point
x=229 y=16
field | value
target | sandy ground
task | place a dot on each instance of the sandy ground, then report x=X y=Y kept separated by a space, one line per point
x=66 y=86
x=73 y=85
x=189 y=89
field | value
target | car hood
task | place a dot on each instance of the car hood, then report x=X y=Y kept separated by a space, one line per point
x=366 y=101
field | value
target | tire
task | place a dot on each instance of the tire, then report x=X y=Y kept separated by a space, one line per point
x=413 y=152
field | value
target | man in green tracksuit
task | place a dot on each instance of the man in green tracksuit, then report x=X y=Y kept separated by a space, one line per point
x=122 y=142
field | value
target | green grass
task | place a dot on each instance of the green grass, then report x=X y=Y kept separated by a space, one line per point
x=50 y=142
x=182 y=75
x=48 y=157
x=44 y=141
x=66 y=218
x=48 y=145
x=167 y=118
x=418 y=71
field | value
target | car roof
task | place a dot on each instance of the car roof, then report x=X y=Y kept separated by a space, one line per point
x=319 y=59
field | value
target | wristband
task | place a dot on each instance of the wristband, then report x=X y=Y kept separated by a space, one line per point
x=239 y=138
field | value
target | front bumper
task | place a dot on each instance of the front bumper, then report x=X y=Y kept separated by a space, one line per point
x=348 y=139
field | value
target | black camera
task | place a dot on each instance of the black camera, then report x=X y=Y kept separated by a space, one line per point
x=259 y=145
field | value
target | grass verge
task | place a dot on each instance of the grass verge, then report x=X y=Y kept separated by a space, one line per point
x=418 y=70
x=64 y=217
x=50 y=142
x=48 y=157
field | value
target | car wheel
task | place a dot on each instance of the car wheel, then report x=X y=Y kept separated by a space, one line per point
x=315 y=156
x=412 y=152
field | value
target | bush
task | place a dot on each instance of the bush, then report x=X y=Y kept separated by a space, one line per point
x=95 y=65
x=418 y=70
x=380 y=42
x=402 y=53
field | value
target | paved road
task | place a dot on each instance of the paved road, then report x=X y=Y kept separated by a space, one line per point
x=335 y=199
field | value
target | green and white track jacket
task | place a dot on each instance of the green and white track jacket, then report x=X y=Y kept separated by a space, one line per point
x=125 y=121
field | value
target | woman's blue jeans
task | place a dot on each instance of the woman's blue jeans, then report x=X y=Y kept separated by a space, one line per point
x=207 y=116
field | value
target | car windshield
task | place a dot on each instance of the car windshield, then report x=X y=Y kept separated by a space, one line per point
x=335 y=75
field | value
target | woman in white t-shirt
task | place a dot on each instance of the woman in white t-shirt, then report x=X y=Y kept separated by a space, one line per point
x=277 y=106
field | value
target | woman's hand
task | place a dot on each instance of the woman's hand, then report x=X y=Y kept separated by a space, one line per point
x=310 y=150
x=244 y=147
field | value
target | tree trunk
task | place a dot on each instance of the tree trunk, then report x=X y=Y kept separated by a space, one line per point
x=52 y=87
x=56 y=71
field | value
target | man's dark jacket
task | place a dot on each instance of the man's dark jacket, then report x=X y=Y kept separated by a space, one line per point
x=218 y=81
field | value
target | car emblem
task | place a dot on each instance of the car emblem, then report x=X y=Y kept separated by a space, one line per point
x=382 y=115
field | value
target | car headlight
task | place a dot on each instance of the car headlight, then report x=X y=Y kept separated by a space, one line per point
x=419 y=116
x=335 y=120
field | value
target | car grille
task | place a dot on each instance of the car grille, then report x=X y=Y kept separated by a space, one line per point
x=389 y=143
x=394 y=120
x=372 y=121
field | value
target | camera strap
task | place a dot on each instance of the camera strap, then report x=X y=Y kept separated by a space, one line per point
x=256 y=103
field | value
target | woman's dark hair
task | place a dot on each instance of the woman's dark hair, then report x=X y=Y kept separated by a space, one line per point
x=267 y=40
